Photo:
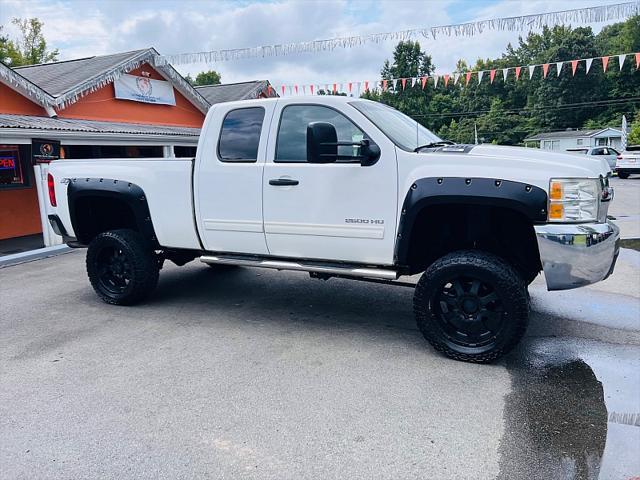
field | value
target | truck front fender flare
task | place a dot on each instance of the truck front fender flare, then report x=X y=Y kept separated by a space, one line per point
x=129 y=193
x=529 y=200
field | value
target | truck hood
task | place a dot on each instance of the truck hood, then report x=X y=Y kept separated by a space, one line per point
x=558 y=164
x=526 y=165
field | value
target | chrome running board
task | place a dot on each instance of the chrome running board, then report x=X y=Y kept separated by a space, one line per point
x=347 y=270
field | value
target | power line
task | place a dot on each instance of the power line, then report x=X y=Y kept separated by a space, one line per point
x=535 y=108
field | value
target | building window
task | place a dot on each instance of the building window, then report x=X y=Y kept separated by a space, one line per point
x=602 y=141
x=14 y=166
x=182 y=152
x=111 y=151
x=579 y=141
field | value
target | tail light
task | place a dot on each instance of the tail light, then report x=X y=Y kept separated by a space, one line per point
x=52 y=190
x=619 y=157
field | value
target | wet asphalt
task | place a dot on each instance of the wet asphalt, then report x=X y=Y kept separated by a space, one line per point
x=262 y=374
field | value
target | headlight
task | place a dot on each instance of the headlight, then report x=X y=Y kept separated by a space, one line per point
x=573 y=200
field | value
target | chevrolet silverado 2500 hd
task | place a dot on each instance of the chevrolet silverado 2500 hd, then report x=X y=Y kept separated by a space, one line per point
x=343 y=187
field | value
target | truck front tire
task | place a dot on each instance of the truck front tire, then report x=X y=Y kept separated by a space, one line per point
x=472 y=306
x=122 y=267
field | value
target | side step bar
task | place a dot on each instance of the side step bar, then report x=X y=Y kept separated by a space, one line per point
x=349 y=271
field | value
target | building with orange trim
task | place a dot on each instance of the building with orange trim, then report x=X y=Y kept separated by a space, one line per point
x=120 y=105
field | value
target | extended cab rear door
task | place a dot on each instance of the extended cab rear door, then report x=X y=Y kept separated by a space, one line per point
x=228 y=177
x=337 y=211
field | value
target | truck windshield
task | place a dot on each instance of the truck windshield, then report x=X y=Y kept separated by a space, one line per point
x=405 y=132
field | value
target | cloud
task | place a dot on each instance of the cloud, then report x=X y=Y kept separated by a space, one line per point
x=92 y=27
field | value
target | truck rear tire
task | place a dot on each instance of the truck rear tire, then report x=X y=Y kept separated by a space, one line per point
x=623 y=175
x=122 y=267
x=472 y=306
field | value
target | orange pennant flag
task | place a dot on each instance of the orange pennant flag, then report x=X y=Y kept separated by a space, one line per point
x=404 y=83
x=518 y=70
x=335 y=87
x=446 y=79
x=366 y=85
x=424 y=81
x=492 y=75
x=384 y=85
x=311 y=88
x=545 y=70
x=574 y=66
x=637 y=60
x=296 y=88
x=605 y=62
x=467 y=78
x=350 y=85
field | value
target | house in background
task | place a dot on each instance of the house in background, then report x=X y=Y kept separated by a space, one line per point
x=564 y=140
x=229 y=92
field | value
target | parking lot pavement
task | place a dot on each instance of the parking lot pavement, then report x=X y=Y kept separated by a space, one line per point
x=261 y=374
x=626 y=205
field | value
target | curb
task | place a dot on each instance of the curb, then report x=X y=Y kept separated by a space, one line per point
x=31 y=255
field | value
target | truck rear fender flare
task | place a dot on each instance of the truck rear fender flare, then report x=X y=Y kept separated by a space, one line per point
x=130 y=194
x=528 y=200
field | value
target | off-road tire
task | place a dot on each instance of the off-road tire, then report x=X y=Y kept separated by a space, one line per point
x=141 y=265
x=623 y=175
x=508 y=286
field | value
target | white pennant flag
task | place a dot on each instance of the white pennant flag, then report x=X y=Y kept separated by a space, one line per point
x=505 y=72
x=358 y=87
x=413 y=81
x=588 y=63
x=559 y=68
x=456 y=77
x=531 y=70
x=395 y=82
x=435 y=81
x=480 y=75
x=621 y=60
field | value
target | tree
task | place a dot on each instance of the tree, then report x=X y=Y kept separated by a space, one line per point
x=210 y=77
x=507 y=111
x=31 y=48
x=634 y=134
x=9 y=53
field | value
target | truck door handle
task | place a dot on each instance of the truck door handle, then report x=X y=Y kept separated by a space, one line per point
x=283 y=182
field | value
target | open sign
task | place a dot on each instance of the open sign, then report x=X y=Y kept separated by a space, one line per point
x=7 y=163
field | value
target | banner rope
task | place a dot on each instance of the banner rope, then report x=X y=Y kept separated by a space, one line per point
x=596 y=14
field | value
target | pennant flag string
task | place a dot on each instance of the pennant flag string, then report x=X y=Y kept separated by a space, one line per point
x=595 y=14
x=405 y=83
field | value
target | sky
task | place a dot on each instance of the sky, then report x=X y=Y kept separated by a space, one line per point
x=83 y=28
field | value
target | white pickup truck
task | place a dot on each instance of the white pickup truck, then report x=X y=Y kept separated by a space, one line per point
x=343 y=187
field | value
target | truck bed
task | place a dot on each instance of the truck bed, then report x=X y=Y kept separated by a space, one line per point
x=166 y=182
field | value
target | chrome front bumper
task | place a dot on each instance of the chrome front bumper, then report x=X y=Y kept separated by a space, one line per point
x=576 y=255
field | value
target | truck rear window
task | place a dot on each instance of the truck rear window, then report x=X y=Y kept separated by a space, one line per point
x=240 y=135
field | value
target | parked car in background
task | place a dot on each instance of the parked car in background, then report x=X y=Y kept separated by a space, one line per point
x=628 y=162
x=608 y=153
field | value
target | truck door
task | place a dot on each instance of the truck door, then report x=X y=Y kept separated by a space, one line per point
x=228 y=178
x=338 y=211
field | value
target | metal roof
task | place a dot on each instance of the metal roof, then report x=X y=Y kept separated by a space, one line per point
x=67 y=81
x=60 y=77
x=569 y=134
x=92 y=126
x=229 y=92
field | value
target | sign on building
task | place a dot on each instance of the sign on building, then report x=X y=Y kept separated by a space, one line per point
x=45 y=151
x=143 y=89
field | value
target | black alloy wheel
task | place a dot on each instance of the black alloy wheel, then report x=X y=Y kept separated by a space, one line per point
x=469 y=311
x=472 y=306
x=122 y=267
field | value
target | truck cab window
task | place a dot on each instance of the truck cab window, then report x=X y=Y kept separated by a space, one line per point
x=291 y=145
x=240 y=135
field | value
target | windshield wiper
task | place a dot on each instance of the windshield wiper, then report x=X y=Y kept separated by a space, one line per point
x=441 y=143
